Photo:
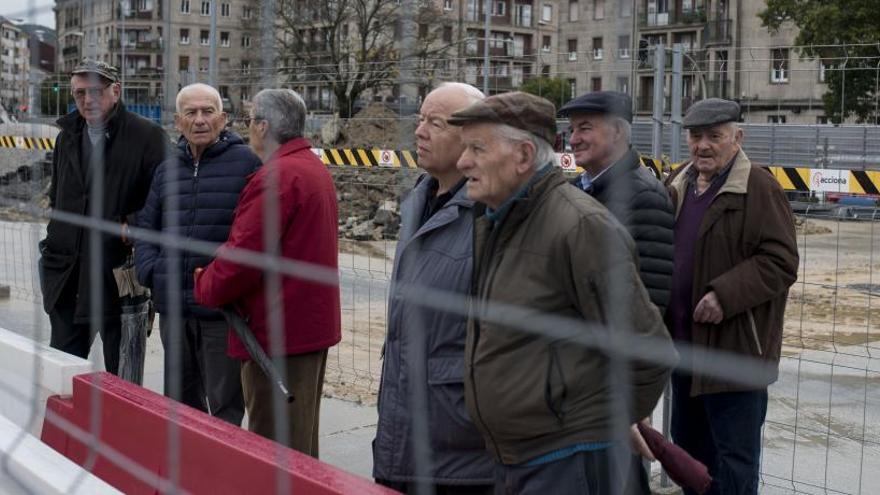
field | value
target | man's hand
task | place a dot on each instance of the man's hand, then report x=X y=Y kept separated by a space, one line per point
x=709 y=310
x=639 y=445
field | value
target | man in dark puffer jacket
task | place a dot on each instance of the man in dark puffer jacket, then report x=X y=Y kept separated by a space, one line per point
x=193 y=195
x=613 y=175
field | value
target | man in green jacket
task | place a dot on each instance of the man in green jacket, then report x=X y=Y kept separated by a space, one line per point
x=555 y=283
x=735 y=258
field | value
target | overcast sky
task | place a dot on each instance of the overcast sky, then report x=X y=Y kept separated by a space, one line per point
x=21 y=10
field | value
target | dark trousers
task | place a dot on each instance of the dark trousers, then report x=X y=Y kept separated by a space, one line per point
x=76 y=338
x=413 y=488
x=723 y=431
x=210 y=380
x=588 y=473
x=304 y=374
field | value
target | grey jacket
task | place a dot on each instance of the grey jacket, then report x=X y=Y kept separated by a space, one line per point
x=424 y=352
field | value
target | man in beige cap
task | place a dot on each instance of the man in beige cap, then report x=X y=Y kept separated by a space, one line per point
x=735 y=258
x=546 y=404
x=102 y=166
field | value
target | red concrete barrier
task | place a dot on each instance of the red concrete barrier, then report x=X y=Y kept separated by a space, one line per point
x=212 y=456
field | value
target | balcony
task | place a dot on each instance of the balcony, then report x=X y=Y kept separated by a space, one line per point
x=496 y=82
x=136 y=46
x=70 y=51
x=645 y=104
x=718 y=32
x=674 y=18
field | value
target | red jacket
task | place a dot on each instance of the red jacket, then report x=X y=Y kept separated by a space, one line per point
x=307 y=232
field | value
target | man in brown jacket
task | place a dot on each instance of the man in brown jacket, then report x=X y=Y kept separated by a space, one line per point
x=735 y=258
x=544 y=401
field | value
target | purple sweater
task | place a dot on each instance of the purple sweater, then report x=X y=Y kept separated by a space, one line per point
x=687 y=227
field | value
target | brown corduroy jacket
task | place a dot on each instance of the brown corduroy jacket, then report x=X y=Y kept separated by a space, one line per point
x=747 y=253
x=531 y=386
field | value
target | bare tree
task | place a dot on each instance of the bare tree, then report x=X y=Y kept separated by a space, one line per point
x=356 y=47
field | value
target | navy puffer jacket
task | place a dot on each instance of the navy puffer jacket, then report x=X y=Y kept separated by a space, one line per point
x=202 y=208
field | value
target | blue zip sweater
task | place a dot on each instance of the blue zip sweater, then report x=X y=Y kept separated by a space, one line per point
x=200 y=198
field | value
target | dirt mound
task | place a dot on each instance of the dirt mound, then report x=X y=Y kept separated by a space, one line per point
x=809 y=227
x=376 y=126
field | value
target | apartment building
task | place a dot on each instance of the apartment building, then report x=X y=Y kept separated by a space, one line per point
x=522 y=40
x=14 y=67
x=608 y=44
x=144 y=42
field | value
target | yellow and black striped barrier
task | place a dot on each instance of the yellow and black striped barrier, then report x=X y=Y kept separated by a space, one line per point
x=27 y=143
x=353 y=157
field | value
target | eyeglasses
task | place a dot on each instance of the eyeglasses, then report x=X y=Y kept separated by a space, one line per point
x=249 y=120
x=80 y=94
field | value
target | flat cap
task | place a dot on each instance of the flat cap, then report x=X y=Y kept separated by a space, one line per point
x=90 y=66
x=604 y=102
x=711 y=111
x=517 y=109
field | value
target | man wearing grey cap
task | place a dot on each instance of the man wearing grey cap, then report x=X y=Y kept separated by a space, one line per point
x=735 y=258
x=543 y=402
x=102 y=166
x=601 y=126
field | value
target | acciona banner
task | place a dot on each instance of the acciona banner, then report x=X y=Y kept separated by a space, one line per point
x=826 y=180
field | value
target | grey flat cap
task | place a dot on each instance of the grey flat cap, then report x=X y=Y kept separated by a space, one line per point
x=711 y=111
x=89 y=66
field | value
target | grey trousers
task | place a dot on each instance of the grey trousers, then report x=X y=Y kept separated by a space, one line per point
x=209 y=380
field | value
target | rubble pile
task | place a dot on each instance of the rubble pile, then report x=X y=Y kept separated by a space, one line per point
x=369 y=201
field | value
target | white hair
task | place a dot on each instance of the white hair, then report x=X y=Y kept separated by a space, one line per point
x=473 y=94
x=200 y=87
x=625 y=128
x=544 y=154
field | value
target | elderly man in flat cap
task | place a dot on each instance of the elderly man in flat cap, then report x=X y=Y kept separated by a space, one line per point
x=735 y=258
x=102 y=166
x=541 y=398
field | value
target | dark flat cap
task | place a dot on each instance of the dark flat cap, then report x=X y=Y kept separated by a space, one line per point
x=604 y=102
x=711 y=111
x=517 y=109
x=90 y=66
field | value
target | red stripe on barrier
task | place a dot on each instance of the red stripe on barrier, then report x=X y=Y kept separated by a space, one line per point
x=214 y=456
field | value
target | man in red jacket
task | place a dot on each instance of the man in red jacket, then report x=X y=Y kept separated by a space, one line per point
x=287 y=210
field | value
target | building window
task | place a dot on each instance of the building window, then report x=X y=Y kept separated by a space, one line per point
x=183 y=63
x=573 y=50
x=499 y=8
x=625 y=8
x=204 y=37
x=245 y=41
x=547 y=12
x=523 y=15
x=822 y=119
x=823 y=69
x=572 y=87
x=623 y=84
x=224 y=38
x=598 y=9
x=246 y=12
x=245 y=67
x=224 y=9
x=779 y=65
x=204 y=62
x=447 y=34
x=184 y=36
x=596 y=84
x=545 y=43
x=447 y=4
x=206 y=8
x=184 y=6
x=245 y=94
x=597 y=49
x=776 y=119
x=573 y=11
x=623 y=46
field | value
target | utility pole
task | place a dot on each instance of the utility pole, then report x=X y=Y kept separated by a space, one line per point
x=675 y=104
x=212 y=50
x=657 y=118
x=488 y=15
